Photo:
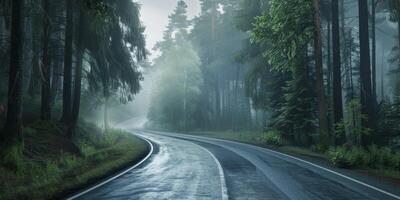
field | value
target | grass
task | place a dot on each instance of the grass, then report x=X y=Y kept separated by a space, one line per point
x=53 y=166
x=378 y=162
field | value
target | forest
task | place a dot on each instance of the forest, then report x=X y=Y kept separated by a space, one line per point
x=317 y=75
x=321 y=76
x=328 y=79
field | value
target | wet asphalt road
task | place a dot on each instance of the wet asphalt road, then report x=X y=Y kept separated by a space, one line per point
x=190 y=167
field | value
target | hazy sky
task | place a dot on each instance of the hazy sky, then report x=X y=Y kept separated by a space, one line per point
x=154 y=14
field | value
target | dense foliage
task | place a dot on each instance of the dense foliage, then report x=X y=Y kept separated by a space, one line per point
x=54 y=53
x=296 y=68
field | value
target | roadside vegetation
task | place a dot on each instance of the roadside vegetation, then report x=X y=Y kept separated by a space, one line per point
x=295 y=71
x=62 y=63
x=51 y=165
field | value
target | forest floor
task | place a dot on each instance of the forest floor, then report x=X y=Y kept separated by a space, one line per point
x=53 y=166
x=256 y=138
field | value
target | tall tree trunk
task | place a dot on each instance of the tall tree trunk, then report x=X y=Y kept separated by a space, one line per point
x=78 y=74
x=365 y=70
x=106 y=122
x=34 y=83
x=329 y=60
x=337 y=74
x=67 y=82
x=383 y=76
x=346 y=50
x=398 y=32
x=351 y=67
x=27 y=50
x=55 y=81
x=320 y=76
x=12 y=132
x=184 y=99
x=46 y=94
x=373 y=64
x=217 y=104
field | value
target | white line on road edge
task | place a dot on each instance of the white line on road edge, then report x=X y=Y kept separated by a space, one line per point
x=333 y=172
x=307 y=162
x=116 y=176
x=224 y=190
x=289 y=156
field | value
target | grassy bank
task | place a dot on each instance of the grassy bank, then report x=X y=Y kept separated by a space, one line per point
x=53 y=166
x=373 y=161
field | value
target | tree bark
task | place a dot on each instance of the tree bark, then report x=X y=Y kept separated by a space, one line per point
x=46 y=94
x=55 y=82
x=398 y=32
x=373 y=64
x=12 y=132
x=329 y=60
x=78 y=74
x=365 y=70
x=337 y=80
x=319 y=76
x=106 y=122
x=217 y=104
x=34 y=83
x=67 y=82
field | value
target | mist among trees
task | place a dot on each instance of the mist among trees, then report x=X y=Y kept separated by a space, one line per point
x=317 y=74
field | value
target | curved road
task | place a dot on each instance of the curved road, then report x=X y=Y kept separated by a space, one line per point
x=191 y=167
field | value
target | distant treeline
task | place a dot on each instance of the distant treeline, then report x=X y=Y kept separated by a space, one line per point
x=306 y=69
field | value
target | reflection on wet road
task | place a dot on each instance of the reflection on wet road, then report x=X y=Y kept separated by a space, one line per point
x=177 y=170
x=190 y=167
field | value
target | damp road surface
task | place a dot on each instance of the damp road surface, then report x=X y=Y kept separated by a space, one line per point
x=192 y=167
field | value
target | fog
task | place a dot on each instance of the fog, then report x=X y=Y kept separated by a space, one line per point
x=154 y=15
x=233 y=99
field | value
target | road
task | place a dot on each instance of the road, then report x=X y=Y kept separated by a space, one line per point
x=190 y=167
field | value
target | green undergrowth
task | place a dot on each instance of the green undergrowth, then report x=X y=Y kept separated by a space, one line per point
x=371 y=157
x=373 y=160
x=52 y=165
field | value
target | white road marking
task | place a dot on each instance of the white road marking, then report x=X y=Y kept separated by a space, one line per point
x=334 y=172
x=224 y=190
x=116 y=176
x=301 y=160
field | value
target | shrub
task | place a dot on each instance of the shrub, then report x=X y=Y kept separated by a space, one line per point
x=373 y=157
x=273 y=138
x=395 y=161
x=86 y=149
x=69 y=161
x=337 y=156
x=347 y=158
x=355 y=157
x=12 y=157
x=52 y=171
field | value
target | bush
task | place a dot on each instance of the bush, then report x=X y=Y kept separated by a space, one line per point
x=373 y=157
x=355 y=157
x=68 y=161
x=347 y=158
x=273 y=138
x=337 y=156
x=12 y=157
x=86 y=150
x=52 y=171
x=395 y=161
